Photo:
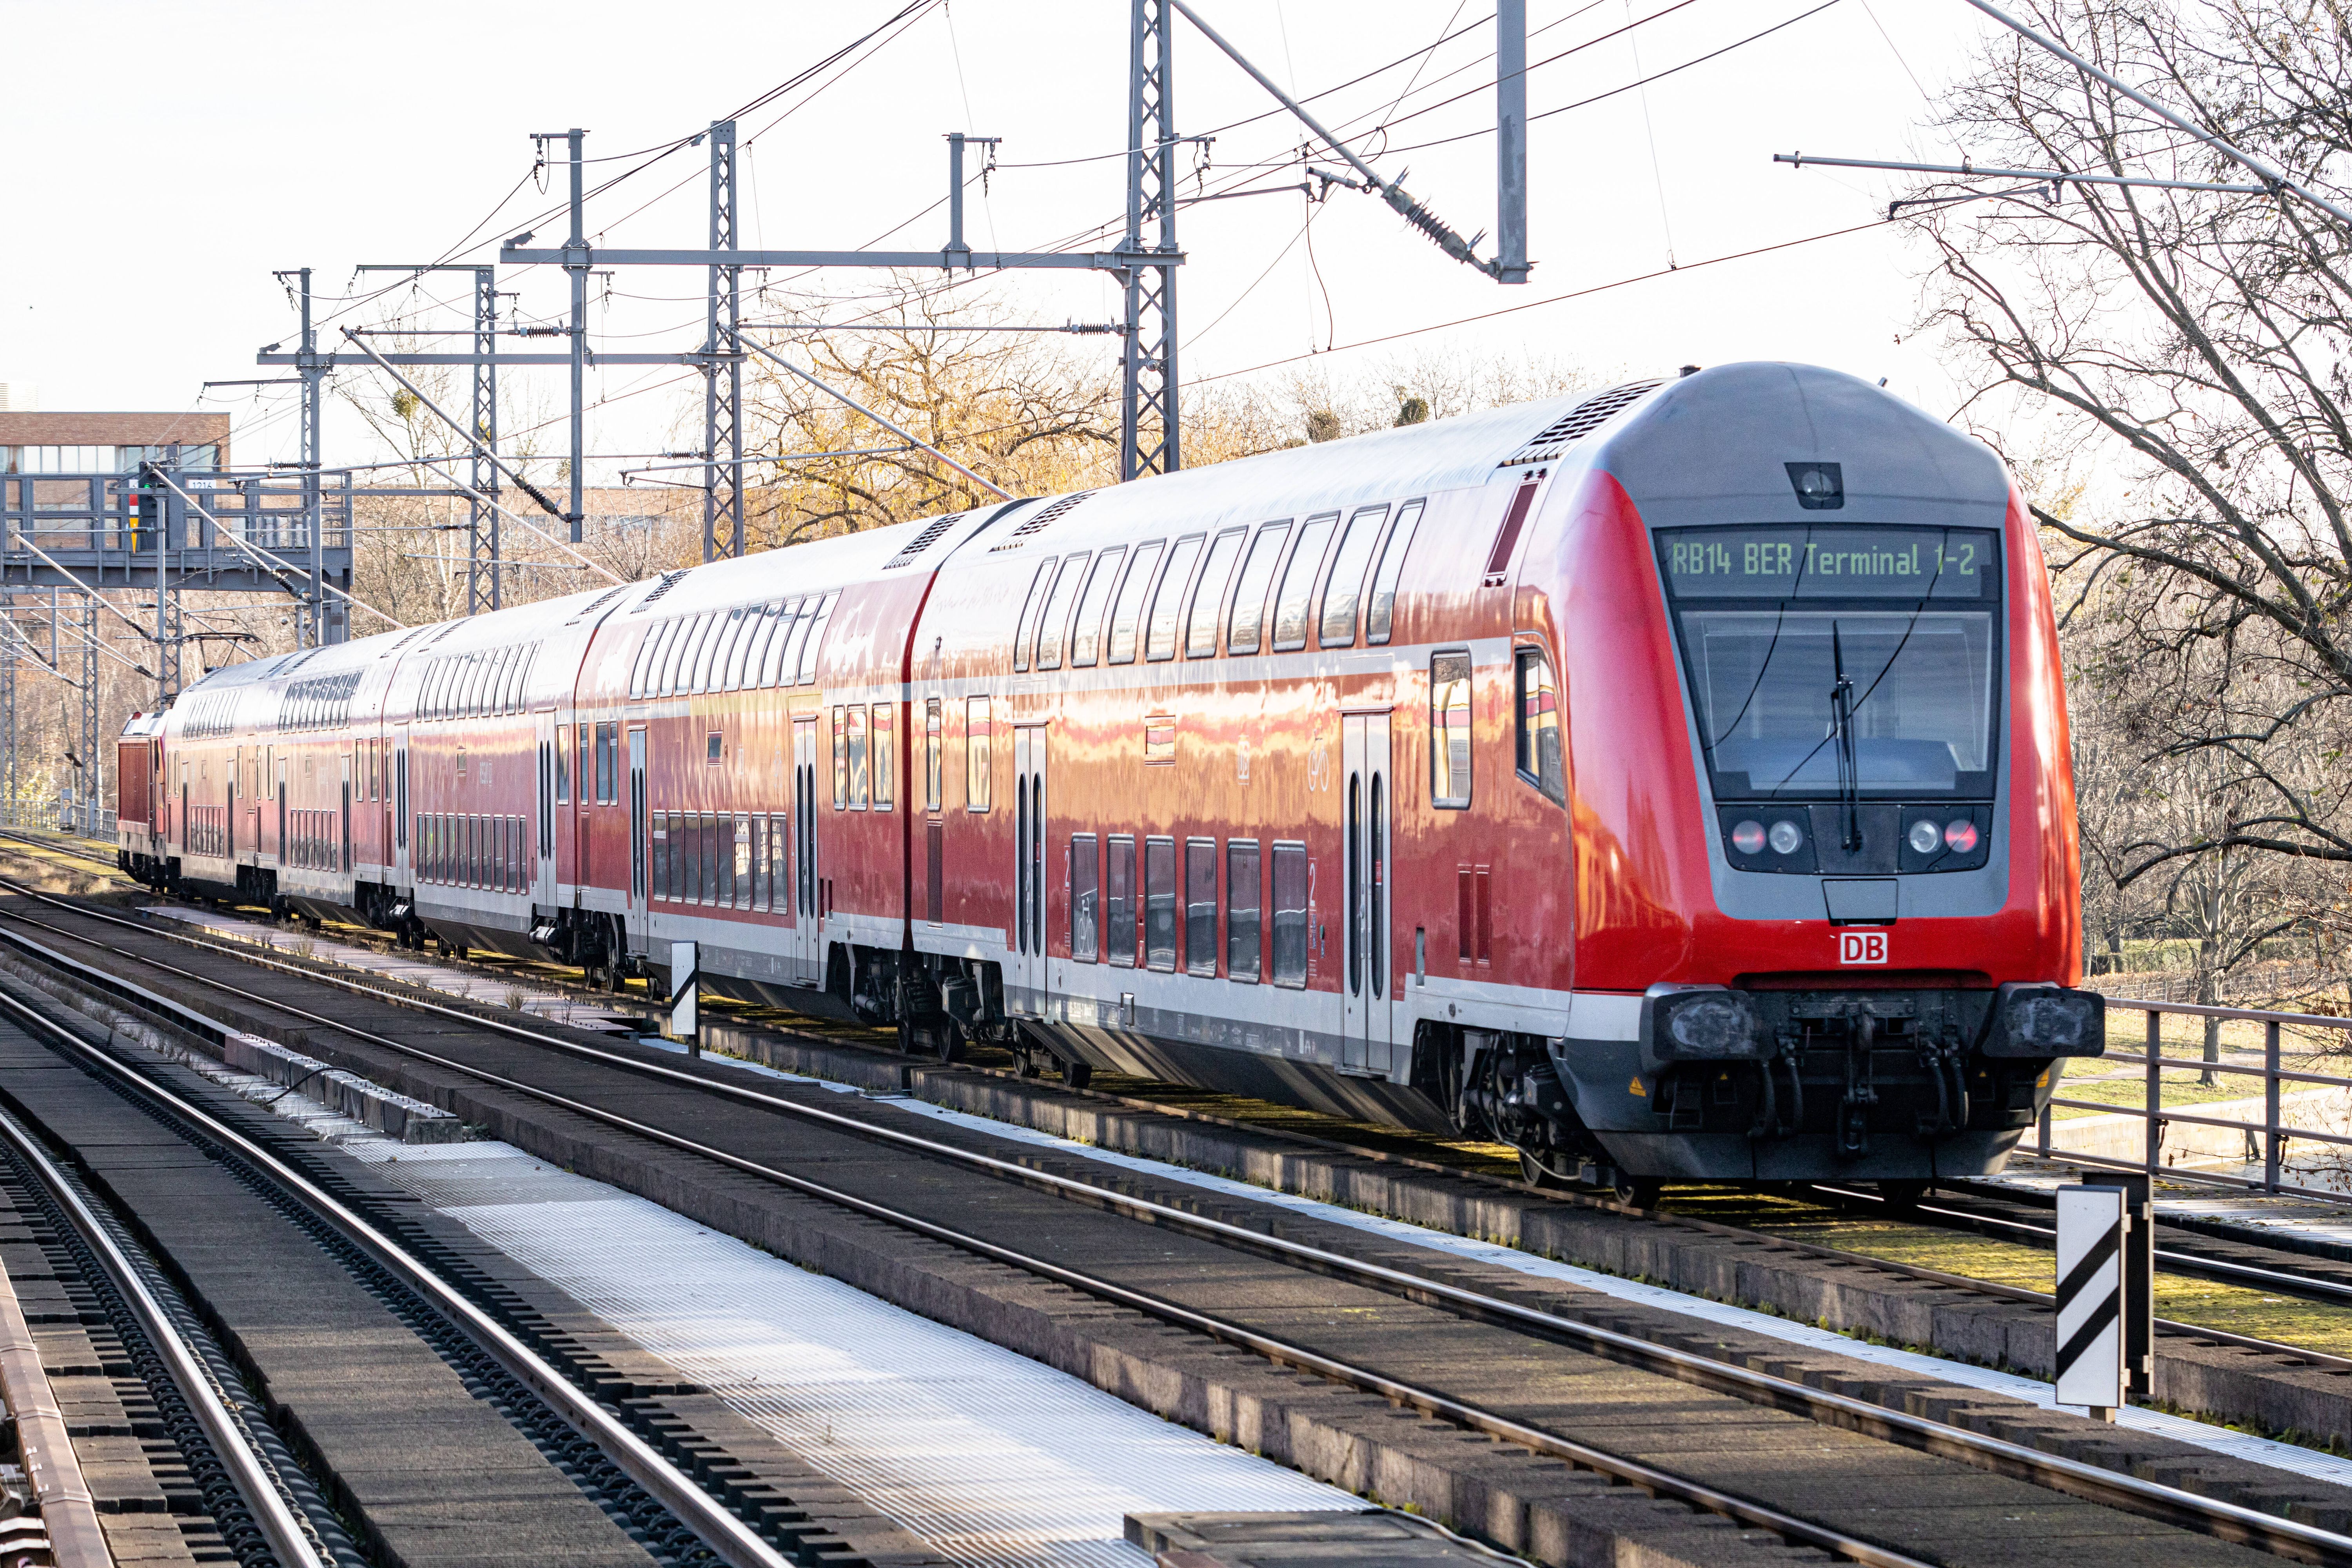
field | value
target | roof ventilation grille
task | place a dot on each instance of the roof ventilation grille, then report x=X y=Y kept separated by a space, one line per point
x=598 y=603
x=1037 y=522
x=923 y=541
x=1580 y=421
x=669 y=580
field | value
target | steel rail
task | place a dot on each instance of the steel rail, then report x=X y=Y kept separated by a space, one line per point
x=2326 y=1291
x=2087 y=1482
x=726 y=1535
x=255 y=1479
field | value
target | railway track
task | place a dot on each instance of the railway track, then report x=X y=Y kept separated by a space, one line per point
x=645 y=1485
x=2073 y=1478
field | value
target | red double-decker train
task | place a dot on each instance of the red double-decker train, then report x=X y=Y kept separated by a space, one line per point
x=1670 y=782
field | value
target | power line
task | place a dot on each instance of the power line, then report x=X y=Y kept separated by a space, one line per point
x=1555 y=299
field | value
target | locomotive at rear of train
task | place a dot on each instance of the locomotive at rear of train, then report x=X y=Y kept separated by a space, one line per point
x=1670 y=782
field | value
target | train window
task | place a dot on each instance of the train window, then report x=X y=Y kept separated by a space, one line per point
x=754 y=657
x=1290 y=933
x=608 y=763
x=1449 y=730
x=788 y=667
x=1024 y=631
x=511 y=693
x=698 y=635
x=777 y=879
x=1345 y=592
x=840 y=759
x=933 y=744
x=1539 y=725
x=1085 y=916
x=659 y=856
x=1119 y=902
x=681 y=636
x=886 y=757
x=1242 y=939
x=810 y=649
x=1292 y=605
x=1085 y=639
x=687 y=829
x=1208 y=599
x=1127 y=613
x=1159 y=903
x=743 y=862
x=1249 y=600
x=755 y=853
x=781 y=615
x=724 y=857
x=1167 y=602
x=746 y=632
x=1380 y=618
x=714 y=748
x=716 y=860
x=1053 y=626
x=562 y=769
x=706 y=657
x=1201 y=906
x=975 y=753
x=585 y=765
x=658 y=673
x=722 y=648
x=857 y=776
x=644 y=656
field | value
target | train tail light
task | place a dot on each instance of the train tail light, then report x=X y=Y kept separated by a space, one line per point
x=1960 y=837
x=1747 y=838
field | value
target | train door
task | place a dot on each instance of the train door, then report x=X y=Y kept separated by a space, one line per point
x=1024 y=983
x=281 y=812
x=640 y=829
x=344 y=834
x=542 y=880
x=805 y=947
x=1367 y=1044
x=398 y=794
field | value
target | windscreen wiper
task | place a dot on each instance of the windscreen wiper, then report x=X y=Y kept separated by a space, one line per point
x=1848 y=766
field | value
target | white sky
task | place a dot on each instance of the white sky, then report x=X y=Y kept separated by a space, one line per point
x=170 y=156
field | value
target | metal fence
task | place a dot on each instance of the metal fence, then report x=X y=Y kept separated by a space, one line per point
x=2266 y=1141
x=58 y=816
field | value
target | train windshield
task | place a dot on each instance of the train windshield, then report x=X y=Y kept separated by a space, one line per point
x=1845 y=656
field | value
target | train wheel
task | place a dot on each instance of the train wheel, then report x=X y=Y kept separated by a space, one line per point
x=948 y=1042
x=1636 y=1191
x=1078 y=1075
x=1533 y=1172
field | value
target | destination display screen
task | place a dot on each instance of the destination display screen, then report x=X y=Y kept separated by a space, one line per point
x=1841 y=561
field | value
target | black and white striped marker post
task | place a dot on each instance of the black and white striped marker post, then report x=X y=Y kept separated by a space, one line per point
x=2091 y=1227
x=685 y=991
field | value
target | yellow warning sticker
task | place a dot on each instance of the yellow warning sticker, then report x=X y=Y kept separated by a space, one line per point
x=1635 y=1087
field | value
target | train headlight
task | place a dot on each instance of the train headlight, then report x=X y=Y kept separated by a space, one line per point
x=1747 y=838
x=1924 y=838
x=1786 y=838
x=2046 y=1020
x=1959 y=835
x=1699 y=1024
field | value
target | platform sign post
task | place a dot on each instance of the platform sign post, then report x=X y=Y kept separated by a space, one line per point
x=685 y=991
x=2092 y=1221
x=2139 y=1284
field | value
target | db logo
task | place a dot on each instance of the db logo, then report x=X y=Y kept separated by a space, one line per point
x=1862 y=947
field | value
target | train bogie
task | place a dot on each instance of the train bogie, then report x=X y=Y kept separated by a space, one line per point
x=1672 y=782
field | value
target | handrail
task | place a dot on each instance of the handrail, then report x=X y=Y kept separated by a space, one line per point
x=2273 y=1132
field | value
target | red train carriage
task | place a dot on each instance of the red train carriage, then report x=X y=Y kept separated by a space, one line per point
x=1672 y=780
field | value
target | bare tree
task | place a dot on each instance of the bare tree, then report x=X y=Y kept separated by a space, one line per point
x=2193 y=346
